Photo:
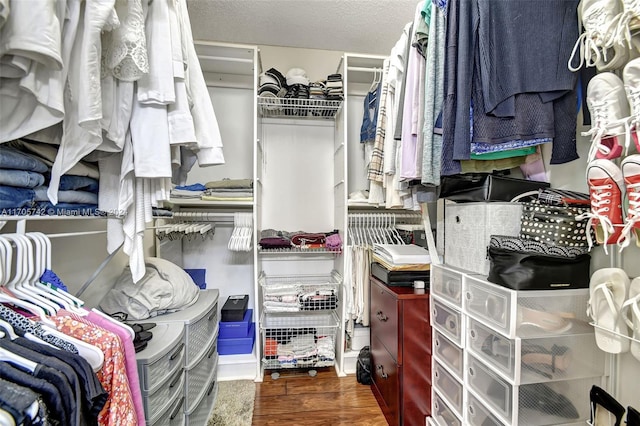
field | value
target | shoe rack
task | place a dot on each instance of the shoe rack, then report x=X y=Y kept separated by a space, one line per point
x=507 y=357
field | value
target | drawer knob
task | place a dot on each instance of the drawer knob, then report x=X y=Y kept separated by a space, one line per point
x=382 y=373
x=382 y=317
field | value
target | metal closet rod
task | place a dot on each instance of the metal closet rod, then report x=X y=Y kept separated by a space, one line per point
x=364 y=69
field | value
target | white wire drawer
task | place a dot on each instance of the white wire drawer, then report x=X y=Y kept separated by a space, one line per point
x=277 y=107
x=532 y=404
x=537 y=359
x=448 y=354
x=299 y=341
x=447 y=320
x=442 y=414
x=525 y=313
x=446 y=283
x=300 y=293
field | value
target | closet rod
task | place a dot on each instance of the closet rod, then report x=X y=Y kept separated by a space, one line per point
x=363 y=69
x=225 y=59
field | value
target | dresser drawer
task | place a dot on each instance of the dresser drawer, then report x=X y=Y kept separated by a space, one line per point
x=173 y=415
x=447 y=321
x=200 y=414
x=163 y=355
x=443 y=414
x=196 y=378
x=200 y=321
x=537 y=359
x=449 y=354
x=385 y=373
x=384 y=317
x=156 y=403
x=479 y=415
x=446 y=283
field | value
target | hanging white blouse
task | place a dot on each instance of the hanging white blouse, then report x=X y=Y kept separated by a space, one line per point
x=156 y=87
x=204 y=118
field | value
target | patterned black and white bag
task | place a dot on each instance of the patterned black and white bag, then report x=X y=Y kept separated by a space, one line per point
x=554 y=224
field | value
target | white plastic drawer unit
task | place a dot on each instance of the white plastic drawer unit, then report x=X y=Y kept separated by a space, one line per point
x=162 y=357
x=476 y=414
x=446 y=283
x=196 y=378
x=156 y=403
x=531 y=404
x=447 y=320
x=173 y=415
x=525 y=313
x=536 y=359
x=442 y=413
x=448 y=354
x=200 y=322
x=199 y=415
x=448 y=387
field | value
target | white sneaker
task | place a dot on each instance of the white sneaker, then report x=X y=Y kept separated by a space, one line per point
x=626 y=24
x=606 y=192
x=631 y=78
x=631 y=173
x=607 y=102
x=595 y=45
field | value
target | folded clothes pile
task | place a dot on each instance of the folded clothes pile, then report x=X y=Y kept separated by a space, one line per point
x=195 y=190
x=25 y=169
x=335 y=91
x=275 y=239
x=228 y=190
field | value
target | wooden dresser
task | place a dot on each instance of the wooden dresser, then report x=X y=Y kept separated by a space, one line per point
x=401 y=353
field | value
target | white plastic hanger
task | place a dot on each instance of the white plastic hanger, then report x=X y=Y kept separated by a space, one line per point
x=91 y=353
x=9 y=356
x=8 y=329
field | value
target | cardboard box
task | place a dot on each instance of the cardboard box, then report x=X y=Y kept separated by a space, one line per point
x=237 y=345
x=230 y=329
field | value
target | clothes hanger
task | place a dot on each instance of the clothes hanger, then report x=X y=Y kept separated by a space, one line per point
x=8 y=329
x=31 y=263
x=47 y=262
x=92 y=354
x=115 y=321
x=12 y=358
x=21 y=273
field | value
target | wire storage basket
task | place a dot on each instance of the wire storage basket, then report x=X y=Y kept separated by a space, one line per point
x=295 y=341
x=271 y=106
x=300 y=293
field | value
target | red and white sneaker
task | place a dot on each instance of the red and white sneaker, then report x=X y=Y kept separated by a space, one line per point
x=631 y=173
x=609 y=108
x=605 y=191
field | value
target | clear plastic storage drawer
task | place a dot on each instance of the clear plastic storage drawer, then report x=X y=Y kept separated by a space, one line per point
x=446 y=283
x=447 y=320
x=196 y=378
x=173 y=415
x=536 y=359
x=200 y=414
x=525 y=313
x=531 y=404
x=449 y=354
x=162 y=357
x=442 y=413
x=156 y=403
x=479 y=415
x=448 y=387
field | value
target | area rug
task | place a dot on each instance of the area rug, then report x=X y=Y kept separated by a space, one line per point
x=234 y=404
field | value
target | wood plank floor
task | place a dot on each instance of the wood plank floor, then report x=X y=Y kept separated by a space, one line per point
x=326 y=399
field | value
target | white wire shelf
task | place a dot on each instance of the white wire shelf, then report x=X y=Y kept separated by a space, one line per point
x=298 y=108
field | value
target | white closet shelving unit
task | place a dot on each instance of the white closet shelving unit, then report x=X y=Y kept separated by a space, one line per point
x=300 y=186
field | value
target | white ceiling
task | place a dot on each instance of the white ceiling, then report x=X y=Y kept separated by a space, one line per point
x=357 y=26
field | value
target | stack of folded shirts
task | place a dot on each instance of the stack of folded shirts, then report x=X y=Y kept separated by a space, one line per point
x=193 y=191
x=334 y=87
x=298 y=88
x=228 y=190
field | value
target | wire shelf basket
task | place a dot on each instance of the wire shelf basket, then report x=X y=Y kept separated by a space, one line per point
x=299 y=293
x=270 y=106
x=298 y=250
x=293 y=341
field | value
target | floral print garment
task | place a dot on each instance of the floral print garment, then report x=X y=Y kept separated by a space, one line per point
x=119 y=409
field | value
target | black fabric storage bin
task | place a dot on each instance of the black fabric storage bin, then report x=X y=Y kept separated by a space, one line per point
x=533 y=271
x=474 y=187
x=234 y=308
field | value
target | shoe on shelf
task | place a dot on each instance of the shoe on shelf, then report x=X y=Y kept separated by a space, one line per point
x=625 y=24
x=631 y=313
x=609 y=108
x=595 y=46
x=608 y=290
x=631 y=79
x=630 y=169
x=633 y=417
x=605 y=182
x=603 y=407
